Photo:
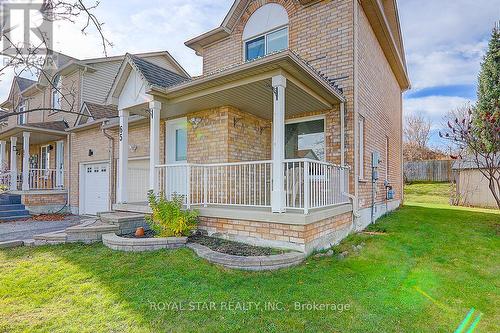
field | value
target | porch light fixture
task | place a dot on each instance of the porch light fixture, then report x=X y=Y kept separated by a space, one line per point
x=91 y=152
x=133 y=148
x=236 y=120
x=195 y=122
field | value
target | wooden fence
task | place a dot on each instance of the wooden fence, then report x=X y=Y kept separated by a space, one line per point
x=432 y=171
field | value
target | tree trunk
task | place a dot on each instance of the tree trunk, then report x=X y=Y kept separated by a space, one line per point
x=493 y=190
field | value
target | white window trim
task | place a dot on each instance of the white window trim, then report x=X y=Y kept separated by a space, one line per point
x=22 y=108
x=306 y=119
x=56 y=90
x=48 y=157
x=387 y=144
x=265 y=34
x=361 y=150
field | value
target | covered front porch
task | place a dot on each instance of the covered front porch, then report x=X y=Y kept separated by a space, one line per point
x=32 y=158
x=267 y=135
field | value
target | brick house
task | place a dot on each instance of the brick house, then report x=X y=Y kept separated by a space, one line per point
x=41 y=140
x=274 y=143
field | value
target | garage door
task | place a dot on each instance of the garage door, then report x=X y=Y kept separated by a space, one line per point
x=138 y=180
x=96 y=188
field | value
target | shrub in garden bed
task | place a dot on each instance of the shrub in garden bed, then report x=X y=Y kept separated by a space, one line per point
x=169 y=219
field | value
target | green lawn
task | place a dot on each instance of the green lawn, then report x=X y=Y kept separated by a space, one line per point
x=433 y=264
x=428 y=192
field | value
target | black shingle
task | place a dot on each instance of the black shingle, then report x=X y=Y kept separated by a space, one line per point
x=157 y=75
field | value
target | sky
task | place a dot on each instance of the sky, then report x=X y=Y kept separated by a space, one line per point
x=444 y=40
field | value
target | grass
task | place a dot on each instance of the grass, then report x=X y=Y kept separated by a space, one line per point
x=424 y=192
x=431 y=266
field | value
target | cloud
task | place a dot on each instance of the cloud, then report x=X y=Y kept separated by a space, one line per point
x=433 y=108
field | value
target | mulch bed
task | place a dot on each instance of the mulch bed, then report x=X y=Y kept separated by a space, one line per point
x=220 y=245
x=49 y=217
x=232 y=248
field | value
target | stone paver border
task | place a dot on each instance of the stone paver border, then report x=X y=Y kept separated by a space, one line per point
x=257 y=263
x=118 y=243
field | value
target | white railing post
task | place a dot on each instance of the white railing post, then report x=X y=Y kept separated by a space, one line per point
x=306 y=188
x=13 y=163
x=154 y=143
x=3 y=159
x=26 y=161
x=123 y=157
x=188 y=186
x=205 y=186
x=278 y=184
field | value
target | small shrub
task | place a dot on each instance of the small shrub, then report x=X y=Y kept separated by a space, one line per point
x=168 y=218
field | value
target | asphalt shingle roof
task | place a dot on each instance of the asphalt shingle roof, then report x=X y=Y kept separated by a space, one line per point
x=99 y=111
x=157 y=75
x=24 y=83
x=51 y=125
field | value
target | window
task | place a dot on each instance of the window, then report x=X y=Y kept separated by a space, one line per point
x=386 y=158
x=22 y=118
x=266 y=44
x=305 y=139
x=361 y=126
x=56 y=93
x=44 y=157
x=181 y=144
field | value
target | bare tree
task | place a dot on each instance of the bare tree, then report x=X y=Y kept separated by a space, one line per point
x=467 y=129
x=417 y=130
x=37 y=58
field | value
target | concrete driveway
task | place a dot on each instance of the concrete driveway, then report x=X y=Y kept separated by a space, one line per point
x=23 y=230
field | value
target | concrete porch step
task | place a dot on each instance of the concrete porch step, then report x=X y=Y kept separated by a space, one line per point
x=13 y=213
x=10 y=199
x=90 y=231
x=14 y=218
x=52 y=238
x=125 y=221
x=11 y=207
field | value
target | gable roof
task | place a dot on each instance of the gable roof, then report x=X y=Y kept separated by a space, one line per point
x=24 y=83
x=156 y=75
x=99 y=111
x=382 y=15
x=152 y=74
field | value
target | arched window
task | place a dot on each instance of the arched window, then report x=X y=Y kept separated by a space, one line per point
x=266 y=31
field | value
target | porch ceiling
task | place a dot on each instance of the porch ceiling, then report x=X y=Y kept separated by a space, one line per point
x=248 y=88
x=255 y=98
x=37 y=136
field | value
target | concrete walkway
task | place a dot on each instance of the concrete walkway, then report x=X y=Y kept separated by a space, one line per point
x=24 y=230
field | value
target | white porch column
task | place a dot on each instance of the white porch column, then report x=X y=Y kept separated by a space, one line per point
x=277 y=195
x=3 y=159
x=154 y=144
x=13 y=164
x=123 y=157
x=342 y=134
x=26 y=161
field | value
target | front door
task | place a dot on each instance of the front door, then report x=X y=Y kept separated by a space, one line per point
x=176 y=147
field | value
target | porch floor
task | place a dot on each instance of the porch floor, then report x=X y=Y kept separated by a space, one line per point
x=259 y=214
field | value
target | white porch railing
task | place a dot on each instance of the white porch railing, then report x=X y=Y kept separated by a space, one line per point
x=46 y=179
x=5 y=179
x=309 y=184
x=229 y=184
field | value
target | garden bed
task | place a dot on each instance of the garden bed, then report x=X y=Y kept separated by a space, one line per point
x=233 y=248
x=143 y=244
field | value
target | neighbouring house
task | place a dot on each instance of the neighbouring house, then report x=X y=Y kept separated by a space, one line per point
x=472 y=187
x=41 y=140
x=291 y=137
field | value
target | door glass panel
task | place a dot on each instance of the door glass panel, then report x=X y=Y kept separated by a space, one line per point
x=305 y=140
x=277 y=41
x=255 y=48
x=181 y=144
